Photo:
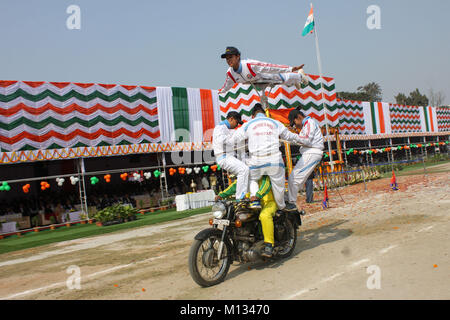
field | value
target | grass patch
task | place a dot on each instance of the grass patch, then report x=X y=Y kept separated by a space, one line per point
x=407 y=169
x=35 y=239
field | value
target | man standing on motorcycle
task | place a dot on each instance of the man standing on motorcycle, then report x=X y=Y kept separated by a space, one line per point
x=312 y=151
x=265 y=158
x=269 y=207
x=224 y=152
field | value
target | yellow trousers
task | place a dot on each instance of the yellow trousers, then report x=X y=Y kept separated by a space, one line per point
x=269 y=207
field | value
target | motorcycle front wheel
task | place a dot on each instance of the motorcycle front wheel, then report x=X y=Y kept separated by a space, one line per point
x=205 y=267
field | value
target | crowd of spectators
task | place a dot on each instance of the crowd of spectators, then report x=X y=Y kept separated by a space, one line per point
x=102 y=195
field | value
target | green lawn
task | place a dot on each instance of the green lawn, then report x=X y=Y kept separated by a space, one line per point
x=35 y=239
x=417 y=168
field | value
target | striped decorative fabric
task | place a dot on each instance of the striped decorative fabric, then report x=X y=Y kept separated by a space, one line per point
x=64 y=120
x=377 y=118
x=428 y=119
x=56 y=115
x=443 y=118
x=188 y=114
x=351 y=117
x=242 y=98
x=405 y=118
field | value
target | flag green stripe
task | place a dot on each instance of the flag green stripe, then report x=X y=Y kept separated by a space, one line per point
x=374 y=120
x=426 y=118
x=308 y=28
x=180 y=110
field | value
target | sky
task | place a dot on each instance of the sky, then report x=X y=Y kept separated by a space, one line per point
x=179 y=43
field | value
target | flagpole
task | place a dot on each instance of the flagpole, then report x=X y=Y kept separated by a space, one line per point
x=321 y=94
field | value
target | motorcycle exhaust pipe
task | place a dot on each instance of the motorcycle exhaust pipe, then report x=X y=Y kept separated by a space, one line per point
x=244 y=238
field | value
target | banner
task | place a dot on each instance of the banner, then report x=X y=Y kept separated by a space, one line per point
x=311 y=98
x=57 y=115
x=428 y=119
x=443 y=118
x=351 y=117
x=377 y=118
x=405 y=118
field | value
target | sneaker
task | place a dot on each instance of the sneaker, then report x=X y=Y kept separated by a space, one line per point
x=255 y=204
x=267 y=251
x=304 y=80
x=302 y=212
x=290 y=207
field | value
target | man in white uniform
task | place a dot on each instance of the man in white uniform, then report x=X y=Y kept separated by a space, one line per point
x=245 y=71
x=225 y=154
x=311 y=139
x=265 y=158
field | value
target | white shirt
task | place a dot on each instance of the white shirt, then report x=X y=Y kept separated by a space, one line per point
x=251 y=70
x=311 y=137
x=221 y=134
x=263 y=136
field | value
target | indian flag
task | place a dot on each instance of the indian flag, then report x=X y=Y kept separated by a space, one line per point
x=428 y=119
x=377 y=117
x=309 y=25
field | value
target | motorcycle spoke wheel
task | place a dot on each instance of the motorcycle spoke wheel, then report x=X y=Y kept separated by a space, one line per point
x=206 y=268
x=286 y=245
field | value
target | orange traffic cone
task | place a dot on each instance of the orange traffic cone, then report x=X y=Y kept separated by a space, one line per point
x=393 y=181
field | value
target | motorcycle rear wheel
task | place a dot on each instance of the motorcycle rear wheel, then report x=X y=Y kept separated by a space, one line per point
x=204 y=266
x=289 y=241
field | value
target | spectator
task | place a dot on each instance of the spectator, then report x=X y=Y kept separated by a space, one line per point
x=205 y=183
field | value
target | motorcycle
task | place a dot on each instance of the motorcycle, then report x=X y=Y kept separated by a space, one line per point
x=236 y=235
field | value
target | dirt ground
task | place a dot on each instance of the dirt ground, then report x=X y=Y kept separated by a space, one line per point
x=404 y=233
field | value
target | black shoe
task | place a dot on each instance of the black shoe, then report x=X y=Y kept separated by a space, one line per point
x=290 y=207
x=267 y=251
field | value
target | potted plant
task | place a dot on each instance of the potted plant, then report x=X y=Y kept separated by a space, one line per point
x=109 y=216
x=35 y=223
x=100 y=217
x=131 y=213
x=18 y=231
x=67 y=220
x=83 y=218
x=53 y=222
x=121 y=212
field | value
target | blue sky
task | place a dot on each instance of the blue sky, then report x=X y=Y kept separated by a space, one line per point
x=178 y=43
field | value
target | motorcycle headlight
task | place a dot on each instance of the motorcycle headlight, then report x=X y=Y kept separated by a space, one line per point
x=218 y=210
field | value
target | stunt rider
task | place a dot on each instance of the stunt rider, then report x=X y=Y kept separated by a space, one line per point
x=265 y=158
x=269 y=207
x=225 y=155
x=312 y=151
x=248 y=70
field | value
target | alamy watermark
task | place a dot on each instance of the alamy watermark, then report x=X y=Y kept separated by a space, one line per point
x=74 y=280
x=73 y=22
x=374 y=20
x=374 y=280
